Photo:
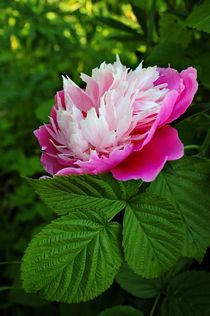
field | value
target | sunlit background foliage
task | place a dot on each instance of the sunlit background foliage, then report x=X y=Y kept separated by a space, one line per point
x=40 y=41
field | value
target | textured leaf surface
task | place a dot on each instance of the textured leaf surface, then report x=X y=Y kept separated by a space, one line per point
x=187 y=186
x=153 y=235
x=73 y=259
x=200 y=17
x=121 y=310
x=102 y=192
x=188 y=294
x=136 y=285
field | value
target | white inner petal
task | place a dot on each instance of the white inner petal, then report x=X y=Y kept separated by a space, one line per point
x=128 y=103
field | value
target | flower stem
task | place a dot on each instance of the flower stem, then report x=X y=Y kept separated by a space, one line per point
x=192 y=147
x=8 y=288
x=10 y=262
x=154 y=305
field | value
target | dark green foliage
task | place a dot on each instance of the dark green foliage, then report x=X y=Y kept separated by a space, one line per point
x=136 y=285
x=200 y=17
x=121 y=310
x=187 y=294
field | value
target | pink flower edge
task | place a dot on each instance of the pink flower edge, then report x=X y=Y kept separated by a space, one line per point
x=147 y=163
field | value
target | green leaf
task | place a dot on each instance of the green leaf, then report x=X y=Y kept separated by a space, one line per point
x=153 y=235
x=201 y=62
x=200 y=17
x=177 y=29
x=141 y=17
x=194 y=110
x=115 y=24
x=181 y=265
x=102 y=192
x=188 y=294
x=165 y=53
x=136 y=285
x=121 y=310
x=188 y=188
x=126 y=38
x=73 y=259
x=148 y=288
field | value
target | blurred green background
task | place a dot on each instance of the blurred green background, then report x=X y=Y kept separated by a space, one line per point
x=41 y=40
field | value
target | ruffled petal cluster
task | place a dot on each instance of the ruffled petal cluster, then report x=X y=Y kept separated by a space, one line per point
x=118 y=123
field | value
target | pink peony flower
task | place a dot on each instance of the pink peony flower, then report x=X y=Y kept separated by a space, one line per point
x=119 y=123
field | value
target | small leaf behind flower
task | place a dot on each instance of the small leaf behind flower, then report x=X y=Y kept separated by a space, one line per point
x=187 y=294
x=200 y=17
x=136 y=285
x=148 y=288
x=121 y=310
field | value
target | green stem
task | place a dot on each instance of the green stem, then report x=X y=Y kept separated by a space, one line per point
x=154 y=305
x=10 y=262
x=192 y=147
x=8 y=288
x=206 y=143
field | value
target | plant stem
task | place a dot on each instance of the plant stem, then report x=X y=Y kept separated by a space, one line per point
x=206 y=143
x=192 y=147
x=8 y=288
x=154 y=305
x=10 y=262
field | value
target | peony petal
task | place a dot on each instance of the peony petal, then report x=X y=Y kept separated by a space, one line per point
x=98 y=164
x=147 y=163
x=44 y=137
x=50 y=163
x=49 y=157
x=184 y=83
x=169 y=76
x=92 y=89
x=164 y=114
x=77 y=95
x=189 y=77
x=69 y=170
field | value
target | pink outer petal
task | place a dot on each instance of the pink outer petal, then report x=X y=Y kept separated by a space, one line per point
x=147 y=163
x=43 y=138
x=98 y=164
x=183 y=87
x=48 y=160
x=189 y=77
x=184 y=83
x=50 y=164
x=164 y=114
x=171 y=77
